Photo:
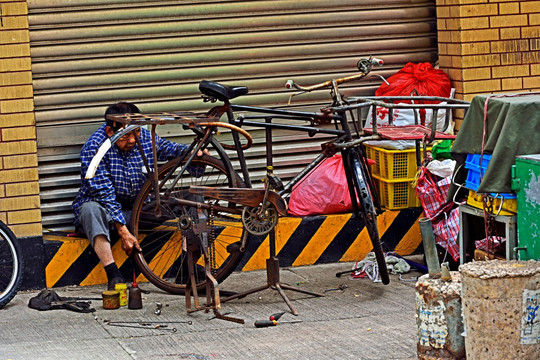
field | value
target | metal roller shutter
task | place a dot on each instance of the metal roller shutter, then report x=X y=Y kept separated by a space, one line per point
x=87 y=54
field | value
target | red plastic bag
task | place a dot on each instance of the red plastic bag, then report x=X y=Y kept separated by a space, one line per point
x=324 y=190
x=417 y=79
x=422 y=78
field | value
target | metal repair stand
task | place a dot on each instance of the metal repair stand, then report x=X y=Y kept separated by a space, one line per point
x=213 y=301
x=272 y=263
x=272 y=279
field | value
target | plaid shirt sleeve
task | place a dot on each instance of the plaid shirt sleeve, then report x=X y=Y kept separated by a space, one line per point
x=119 y=176
x=100 y=188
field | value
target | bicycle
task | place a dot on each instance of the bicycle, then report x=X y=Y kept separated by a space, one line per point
x=11 y=265
x=208 y=215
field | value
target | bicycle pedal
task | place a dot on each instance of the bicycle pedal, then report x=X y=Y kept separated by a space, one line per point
x=234 y=247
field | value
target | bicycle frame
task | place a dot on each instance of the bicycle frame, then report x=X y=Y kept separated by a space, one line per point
x=253 y=205
x=341 y=132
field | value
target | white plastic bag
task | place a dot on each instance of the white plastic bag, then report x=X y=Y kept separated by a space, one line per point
x=442 y=168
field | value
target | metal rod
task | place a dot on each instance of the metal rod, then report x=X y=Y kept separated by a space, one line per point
x=430 y=249
x=293 y=127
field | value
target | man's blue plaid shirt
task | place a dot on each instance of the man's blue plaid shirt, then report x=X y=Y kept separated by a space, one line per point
x=120 y=174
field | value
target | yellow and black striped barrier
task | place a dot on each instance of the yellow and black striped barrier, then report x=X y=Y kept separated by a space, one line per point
x=299 y=241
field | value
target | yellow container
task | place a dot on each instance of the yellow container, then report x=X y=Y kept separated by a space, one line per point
x=506 y=206
x=393 y=164
x=122 y=290
x=396 y=194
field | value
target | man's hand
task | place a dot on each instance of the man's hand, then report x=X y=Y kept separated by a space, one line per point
x=128 y=240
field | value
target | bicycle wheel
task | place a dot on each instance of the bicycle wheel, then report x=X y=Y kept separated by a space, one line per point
x=11 y=265
x=368 y=210
x=164 y=240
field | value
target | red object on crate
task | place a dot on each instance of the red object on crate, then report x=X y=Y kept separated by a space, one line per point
x=421 y=78
x=407 y=132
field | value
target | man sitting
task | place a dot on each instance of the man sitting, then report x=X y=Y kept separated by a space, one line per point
x=103 y=205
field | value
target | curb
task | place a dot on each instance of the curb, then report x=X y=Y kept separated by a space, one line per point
x=299 y=241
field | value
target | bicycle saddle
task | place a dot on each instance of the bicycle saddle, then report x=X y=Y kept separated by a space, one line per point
x=220 y=91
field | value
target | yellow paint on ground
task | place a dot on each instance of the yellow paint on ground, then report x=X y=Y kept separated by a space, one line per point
x=321 y=239
x=362 y=244
x=284 y=230
x=412 y=239
x=66 y=255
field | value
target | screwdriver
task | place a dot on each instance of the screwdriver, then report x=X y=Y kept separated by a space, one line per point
x=265 y=323
x=276 y=316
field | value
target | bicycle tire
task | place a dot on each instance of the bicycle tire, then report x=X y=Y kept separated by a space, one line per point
x=368 y=211
x=11 y=265
x=163 y=260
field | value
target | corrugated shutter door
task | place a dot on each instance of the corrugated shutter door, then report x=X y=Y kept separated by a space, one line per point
x=87 y=54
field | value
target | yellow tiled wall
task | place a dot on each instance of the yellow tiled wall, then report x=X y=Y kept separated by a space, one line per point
x=489 y=46
x=19 y=188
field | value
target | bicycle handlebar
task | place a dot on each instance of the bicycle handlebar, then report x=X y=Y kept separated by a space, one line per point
x=364 y=65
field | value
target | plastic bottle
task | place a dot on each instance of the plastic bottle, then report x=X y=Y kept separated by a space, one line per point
x=134 y=296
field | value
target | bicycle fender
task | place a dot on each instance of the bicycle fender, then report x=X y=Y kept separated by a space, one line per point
x=107 y=144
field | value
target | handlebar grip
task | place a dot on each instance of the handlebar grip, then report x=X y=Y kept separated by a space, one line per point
x=289 y=84
x=375 y=61
x=364 y=65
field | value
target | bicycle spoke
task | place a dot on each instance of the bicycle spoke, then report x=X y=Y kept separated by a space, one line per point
x=166 y=240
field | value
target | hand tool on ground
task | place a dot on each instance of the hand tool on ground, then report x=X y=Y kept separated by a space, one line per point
x=158 y=308
x=144 y=326
x=189 y=322
x=276 y=316
x=341 y=287
x=265 y=323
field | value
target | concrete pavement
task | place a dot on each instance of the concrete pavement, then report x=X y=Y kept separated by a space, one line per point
x=366 y=320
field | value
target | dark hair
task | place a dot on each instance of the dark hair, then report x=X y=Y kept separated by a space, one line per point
x=119 y=109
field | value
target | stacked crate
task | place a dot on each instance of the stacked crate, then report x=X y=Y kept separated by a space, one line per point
x=393 y=173
x=503 y=204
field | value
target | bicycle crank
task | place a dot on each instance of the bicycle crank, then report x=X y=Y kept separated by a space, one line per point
x=260 y=220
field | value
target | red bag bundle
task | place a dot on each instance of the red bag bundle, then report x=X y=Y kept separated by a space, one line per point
x=422 y=78
x=324 y=190
x=432 y=193
x=417 y=79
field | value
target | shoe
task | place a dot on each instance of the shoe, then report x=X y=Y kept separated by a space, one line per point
x=114 y=281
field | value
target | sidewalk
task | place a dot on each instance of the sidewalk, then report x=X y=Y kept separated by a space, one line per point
x=364 y=321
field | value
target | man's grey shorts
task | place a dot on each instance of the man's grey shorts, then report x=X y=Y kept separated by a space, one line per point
x=95 y=220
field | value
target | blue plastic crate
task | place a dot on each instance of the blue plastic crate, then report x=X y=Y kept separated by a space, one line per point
x=508 y=196
x=473 y=164
x=473 y=176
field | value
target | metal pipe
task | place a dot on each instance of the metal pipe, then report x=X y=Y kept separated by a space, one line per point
x=430 y=250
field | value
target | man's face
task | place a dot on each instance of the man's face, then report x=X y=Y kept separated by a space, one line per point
x=126 y=142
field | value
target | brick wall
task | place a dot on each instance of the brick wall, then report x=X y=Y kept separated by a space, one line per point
x=19 y=189
x=489 y=46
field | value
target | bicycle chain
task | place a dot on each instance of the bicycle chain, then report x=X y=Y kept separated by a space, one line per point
x=489 y=219
x=212 y=241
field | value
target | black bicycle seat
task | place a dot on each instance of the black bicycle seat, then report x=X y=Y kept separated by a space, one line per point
x=220 y=91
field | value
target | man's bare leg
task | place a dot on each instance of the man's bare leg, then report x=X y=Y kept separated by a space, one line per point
x=102 y=247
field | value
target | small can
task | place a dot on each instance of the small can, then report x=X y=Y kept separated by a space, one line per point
x=111 y=299
x=122 y=290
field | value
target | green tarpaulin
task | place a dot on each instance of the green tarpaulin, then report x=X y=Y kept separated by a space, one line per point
x=512 y=128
